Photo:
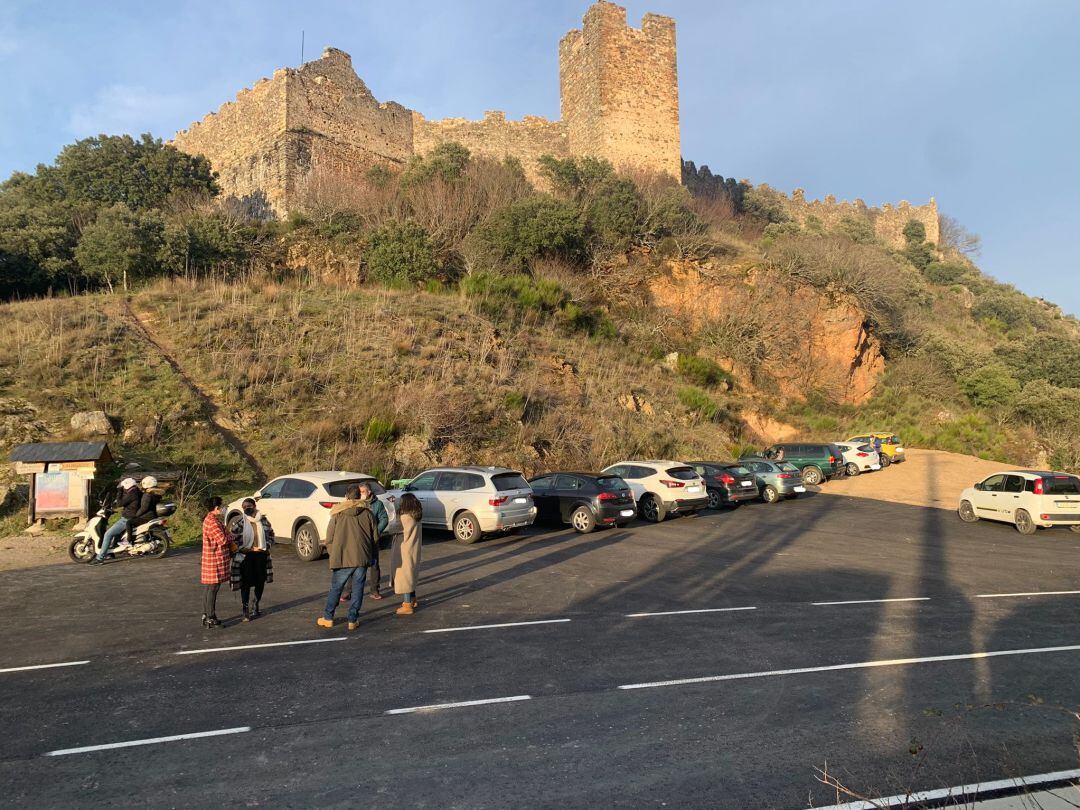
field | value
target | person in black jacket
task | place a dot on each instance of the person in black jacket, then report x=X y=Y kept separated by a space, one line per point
x=128 y=498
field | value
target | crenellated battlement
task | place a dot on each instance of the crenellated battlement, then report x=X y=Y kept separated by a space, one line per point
x=888 y=220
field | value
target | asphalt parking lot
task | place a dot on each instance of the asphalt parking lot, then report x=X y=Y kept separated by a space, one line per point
x=714 y=661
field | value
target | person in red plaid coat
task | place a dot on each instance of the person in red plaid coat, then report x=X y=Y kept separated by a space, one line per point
x=216 y=558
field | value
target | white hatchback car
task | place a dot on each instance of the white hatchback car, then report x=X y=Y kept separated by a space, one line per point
x=472 y=501
x=859 y=457
x=662 y=488
x=1028 y=499
x=298 y=507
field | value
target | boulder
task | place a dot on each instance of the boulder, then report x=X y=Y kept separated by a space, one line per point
x=92 y=423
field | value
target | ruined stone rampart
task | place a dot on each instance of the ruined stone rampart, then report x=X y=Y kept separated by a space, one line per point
x=619 y=90
x=527 y=140
x=888 y=221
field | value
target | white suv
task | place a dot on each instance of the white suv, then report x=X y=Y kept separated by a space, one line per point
x=1026 y=498
x=473 y=501
x=859 y=457
x=298 y=507
x=662 y=488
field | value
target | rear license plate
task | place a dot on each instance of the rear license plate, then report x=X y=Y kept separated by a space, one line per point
x=521 y=500
x=747 y=483
x=800 y=489
x=693 y=489
x=626 y=513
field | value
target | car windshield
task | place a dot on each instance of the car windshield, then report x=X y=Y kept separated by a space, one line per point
x=1061 y=485
x=507 y=481
x=682 y=473
x=737 y=469
x=787 y=466
x=612 y=484
x=337 y=489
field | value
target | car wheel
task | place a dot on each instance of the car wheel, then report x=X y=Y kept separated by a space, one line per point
x=306 y=542
x=885 y=461
x=1024 y=523
x=852 y=469
x=582 y=520
x=812 y=476
x=714 y=499
x=769 y=494
x=649 y=509
x=967 y=512
x=466 y=528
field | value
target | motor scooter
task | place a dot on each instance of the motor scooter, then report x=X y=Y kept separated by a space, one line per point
x=152 y=538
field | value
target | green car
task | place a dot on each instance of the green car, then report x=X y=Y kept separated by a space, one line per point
x=817 y=462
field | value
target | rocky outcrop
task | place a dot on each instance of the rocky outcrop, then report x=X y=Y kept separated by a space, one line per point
x=92 y=423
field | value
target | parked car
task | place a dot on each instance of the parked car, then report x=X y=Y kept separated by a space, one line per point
x=775 y=479
x=817 y=462
x=584 y=500
x=892 y=451
x=298 y=507
x=1029 y=499
x=473 y=501
x=662 y=488
x=727 y=484
x=859 y=458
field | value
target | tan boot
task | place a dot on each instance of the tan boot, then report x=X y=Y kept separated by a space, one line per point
x=353 y=625
x=405 y=610
x=324 y=622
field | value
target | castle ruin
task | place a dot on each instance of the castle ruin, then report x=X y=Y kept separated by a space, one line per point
x=619 y=101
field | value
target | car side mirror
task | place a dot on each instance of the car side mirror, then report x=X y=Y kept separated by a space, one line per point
x=979 y=487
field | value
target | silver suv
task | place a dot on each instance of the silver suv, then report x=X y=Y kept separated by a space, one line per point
x=473 y=501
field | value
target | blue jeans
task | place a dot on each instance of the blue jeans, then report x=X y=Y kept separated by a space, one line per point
x=115 y=531
x=408 y=597
x=338 y=578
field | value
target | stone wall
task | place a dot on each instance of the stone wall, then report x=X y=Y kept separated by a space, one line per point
x=888 y=221
x=495 y=136
x=619 y=90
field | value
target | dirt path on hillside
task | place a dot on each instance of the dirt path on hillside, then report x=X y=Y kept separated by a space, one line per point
x=210 y=407
x=928 y=478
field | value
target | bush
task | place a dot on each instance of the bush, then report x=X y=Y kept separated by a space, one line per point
x=500 y=295
x=120 y=246
x=400 y=252
x=701 y=370
x=1010 y=308
x=699 y=402
x=914 y=232
x=534 y=227
x=766 y=204
x=857 y=229
x=447 y=161
x=989 y=386
x=945 y=272
x=1048 y=407
x=613 y=213
x=380 y=431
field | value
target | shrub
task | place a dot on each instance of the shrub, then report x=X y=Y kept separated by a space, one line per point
x=945 y=272
x=701 y=370
x=914 y=232
x=534 y=227
x=447 y=161
x=575 y=178
x=1048 y=407
x=1009 y=307
x=699 y=402
x=500 y=295
x=766 y=204
x=613 y=213
x=380 y=431
x=857 y=229
x=400 y=252
x=988 y=386
x=120 y=245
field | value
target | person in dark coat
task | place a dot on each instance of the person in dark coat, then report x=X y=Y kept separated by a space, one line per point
x=252 y=566
x=128 y=498
x=351 y=540
x=382 y=520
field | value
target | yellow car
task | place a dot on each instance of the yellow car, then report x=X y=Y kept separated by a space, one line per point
x=892 y=452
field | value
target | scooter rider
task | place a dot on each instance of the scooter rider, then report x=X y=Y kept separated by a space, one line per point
x=137 y=504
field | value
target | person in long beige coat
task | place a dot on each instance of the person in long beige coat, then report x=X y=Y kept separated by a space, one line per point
x=405 y=554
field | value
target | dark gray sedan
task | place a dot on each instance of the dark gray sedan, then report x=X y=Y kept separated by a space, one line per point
x=776 y=479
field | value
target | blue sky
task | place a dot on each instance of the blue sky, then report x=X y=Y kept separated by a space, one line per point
x=975 y=103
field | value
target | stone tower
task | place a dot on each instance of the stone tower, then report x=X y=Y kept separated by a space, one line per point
x=619 y=90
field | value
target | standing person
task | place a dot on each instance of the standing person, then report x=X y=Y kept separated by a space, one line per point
x=216 y=550
x=251 y=565
x=382 y=520
x=128 y=495
x=405 y=556
x=351 y=541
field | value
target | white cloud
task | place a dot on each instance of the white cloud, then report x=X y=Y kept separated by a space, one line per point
x=123 y=108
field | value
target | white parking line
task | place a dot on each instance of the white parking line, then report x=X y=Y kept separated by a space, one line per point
x=436 y=706
x=1032 y=593
x=875 y=601
x=895 y=662
x=44 y=666
x=907 y=799
x=681 y=612
x=152 y=741
x=260 y=646
x=493 y=626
